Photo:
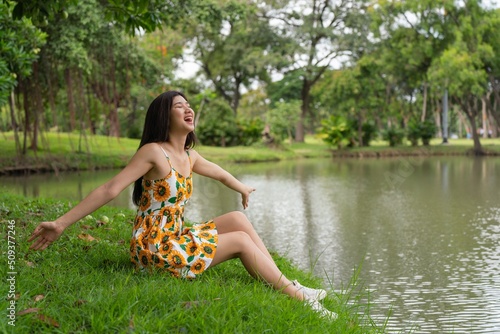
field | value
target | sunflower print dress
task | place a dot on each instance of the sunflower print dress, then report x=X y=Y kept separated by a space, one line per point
x=160 y=239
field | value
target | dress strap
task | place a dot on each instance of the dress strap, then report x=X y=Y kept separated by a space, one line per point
x=189 y=157
x=166 y=156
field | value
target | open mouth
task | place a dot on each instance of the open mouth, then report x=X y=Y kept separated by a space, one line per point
x=188 y=119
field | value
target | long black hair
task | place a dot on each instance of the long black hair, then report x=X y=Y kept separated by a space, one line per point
x=156 y=129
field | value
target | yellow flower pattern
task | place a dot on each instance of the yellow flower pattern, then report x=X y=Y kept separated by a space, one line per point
x=160 y=239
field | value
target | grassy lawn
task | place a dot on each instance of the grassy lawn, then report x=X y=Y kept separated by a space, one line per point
x=84 y=283
x=454 y=147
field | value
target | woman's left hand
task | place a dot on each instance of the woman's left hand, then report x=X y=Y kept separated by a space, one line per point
x=245 y=196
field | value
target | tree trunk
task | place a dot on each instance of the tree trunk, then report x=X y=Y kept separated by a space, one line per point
x=235 y=102
x=471 y=112
x=114 y=126
x=360 y=128
x=71 y=101
x=52 y=100
x=437 y=117
x=14 y=123
x=484 y=116
x=304 y=110
x=38 y=108
x=83 y=112
x=424 y=106
x=26 y=105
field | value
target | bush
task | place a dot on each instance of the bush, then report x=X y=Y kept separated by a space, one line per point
x=427 y=131
x=220 y=127
x=217 y=125
x=337 y=131
x=413 y=133
x=368 y=132
x=394 y=136
x=250 y=131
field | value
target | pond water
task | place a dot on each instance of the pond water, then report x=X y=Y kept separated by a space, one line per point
x=424 y=232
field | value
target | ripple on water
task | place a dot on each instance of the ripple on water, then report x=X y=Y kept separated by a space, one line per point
x=467 y=301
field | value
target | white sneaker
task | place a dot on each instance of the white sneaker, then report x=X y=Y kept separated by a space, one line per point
x=316 y=306
x=309 y=293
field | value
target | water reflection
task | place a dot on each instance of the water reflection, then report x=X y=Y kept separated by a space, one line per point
x=425 y=230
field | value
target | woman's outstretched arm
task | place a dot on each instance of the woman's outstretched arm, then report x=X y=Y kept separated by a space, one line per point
x=209 y=169
x=47 y=232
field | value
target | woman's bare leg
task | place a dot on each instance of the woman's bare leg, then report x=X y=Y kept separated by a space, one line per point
x=236 y=221
x=239 y=244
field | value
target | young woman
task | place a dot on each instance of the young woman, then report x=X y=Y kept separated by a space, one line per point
x=162 y=171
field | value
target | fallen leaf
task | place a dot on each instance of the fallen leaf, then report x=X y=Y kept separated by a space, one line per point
x=86 y=247
x=87 y=227
x=17 y=296
x=190 y=304
x=131 y=325
x=48 y=320
x=38 y=298
x=28 y=310
x=80 y=302
x=121 y=242
x=100 y=223
x=87 y=237
x=30 y=264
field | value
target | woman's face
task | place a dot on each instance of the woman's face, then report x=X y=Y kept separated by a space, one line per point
x=182 y=116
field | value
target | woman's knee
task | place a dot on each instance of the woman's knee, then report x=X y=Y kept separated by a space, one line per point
x=233 y=222
x=241 y=219
x=235 y=242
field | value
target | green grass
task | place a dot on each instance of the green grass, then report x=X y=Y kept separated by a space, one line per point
x=80 y=286
x=379 y=148
x=65 y=151
x=69 y=151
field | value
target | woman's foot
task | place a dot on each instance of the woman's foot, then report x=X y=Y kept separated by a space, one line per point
x=310 y=294
x=318 y=307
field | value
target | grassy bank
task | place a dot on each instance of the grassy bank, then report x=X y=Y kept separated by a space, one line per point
x=64 y=151
x=436 y=148
x=84 y=283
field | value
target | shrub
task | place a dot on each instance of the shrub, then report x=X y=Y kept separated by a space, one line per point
x=368 y=132
x=337 y=131
x=413 y=132
x=250 y=131
x=217 y=125
x=393 y=135
x=427 y=131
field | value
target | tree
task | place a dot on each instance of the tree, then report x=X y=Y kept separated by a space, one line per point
x=412 y=33
x=463 y=66
x=20 y=43
x=129 y=15
x=320 y=31
x=234 y=48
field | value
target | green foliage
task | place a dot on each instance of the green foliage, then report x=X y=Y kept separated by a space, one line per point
x=427 y=131
x=282 y=119
x=250 y=131
x=369 y=131
x=217 y=125
x=287 y=89
x=420 y=130
x=130 y=15
x=393 y=135
x=20 y=43
x=226 y=62
x=337 y=131
x=413 y=132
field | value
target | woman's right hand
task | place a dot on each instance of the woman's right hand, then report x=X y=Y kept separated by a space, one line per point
x=45 y=234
